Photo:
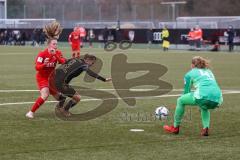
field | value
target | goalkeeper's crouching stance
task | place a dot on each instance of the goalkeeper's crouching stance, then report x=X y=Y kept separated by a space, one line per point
x=62 y=76
x=206 y=96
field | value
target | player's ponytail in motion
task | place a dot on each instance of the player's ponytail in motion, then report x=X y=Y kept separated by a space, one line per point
x=52 y=31
x=200 y=62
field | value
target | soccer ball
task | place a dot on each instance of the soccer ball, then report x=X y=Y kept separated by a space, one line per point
x=161 y=112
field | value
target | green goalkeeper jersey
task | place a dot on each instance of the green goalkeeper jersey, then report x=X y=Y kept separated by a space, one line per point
x=205 y=84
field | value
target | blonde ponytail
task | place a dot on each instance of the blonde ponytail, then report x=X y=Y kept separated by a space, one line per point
x=52 y=31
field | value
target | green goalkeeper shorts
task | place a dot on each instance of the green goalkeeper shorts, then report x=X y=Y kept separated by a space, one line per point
x=206 y=104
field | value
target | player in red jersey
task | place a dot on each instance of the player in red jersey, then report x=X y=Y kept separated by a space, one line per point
x=74 y=40
x=45 y=63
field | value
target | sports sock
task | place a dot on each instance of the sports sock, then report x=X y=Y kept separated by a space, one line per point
x=78 y=54
x=205 y=114
x=61 y=100
x=37 y=104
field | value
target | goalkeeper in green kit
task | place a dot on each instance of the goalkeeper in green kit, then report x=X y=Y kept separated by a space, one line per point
x=206 y=96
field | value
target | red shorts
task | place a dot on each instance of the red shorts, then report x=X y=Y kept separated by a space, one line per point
x=43 y=82
x=75 y=46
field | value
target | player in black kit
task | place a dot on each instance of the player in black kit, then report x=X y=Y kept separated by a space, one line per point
x=62 y=76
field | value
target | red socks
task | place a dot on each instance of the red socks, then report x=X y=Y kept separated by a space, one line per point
x=76 y=55
x=37 y=104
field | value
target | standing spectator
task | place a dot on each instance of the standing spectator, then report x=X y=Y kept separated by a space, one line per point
x=5 y=37
x=38 y=35
x=91 y=37
x=105 y=35
x=230 y=34
x=1 y=38
x=118 y=35
x=165 y=38
x=131 y=35
x=23 y=38
x=191 y=38
x=225 y=34
x=149 y=37
x=198 y=37
x=33 y=37
x=16 y=37
x=10 y=36
x=42 y=38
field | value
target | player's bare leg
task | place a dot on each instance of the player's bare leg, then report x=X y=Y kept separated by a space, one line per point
x=73 y=54
x=78 y=53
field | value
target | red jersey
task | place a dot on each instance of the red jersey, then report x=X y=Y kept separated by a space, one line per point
x=74 y=37
x=191 y=35
x=46 y=63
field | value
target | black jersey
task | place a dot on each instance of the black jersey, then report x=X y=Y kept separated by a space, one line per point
x=73 y=68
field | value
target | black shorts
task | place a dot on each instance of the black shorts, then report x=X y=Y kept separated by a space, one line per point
x=66 y=90
x=56 y=83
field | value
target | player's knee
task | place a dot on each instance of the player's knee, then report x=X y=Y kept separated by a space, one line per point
x=45 y=96
x=77 y=98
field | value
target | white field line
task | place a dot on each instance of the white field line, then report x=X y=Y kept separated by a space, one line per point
x=93 y=99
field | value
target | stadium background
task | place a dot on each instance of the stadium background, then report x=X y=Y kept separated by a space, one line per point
x=127 y=15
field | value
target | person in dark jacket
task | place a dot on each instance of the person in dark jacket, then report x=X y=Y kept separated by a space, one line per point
x=231 y=34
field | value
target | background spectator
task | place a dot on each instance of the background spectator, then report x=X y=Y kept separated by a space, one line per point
x=198 y=37
x=165 y=38
x=191 y=38
x=23 y=38
x=91 y=37
x=231 y=34
x=105 y=34
x=149 y=36
x=42 y=38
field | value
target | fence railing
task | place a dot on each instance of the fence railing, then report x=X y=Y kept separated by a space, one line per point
x=187 y=25
x=24 y=23
x=122 y=24
x=219 y=22
x=181 y=23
